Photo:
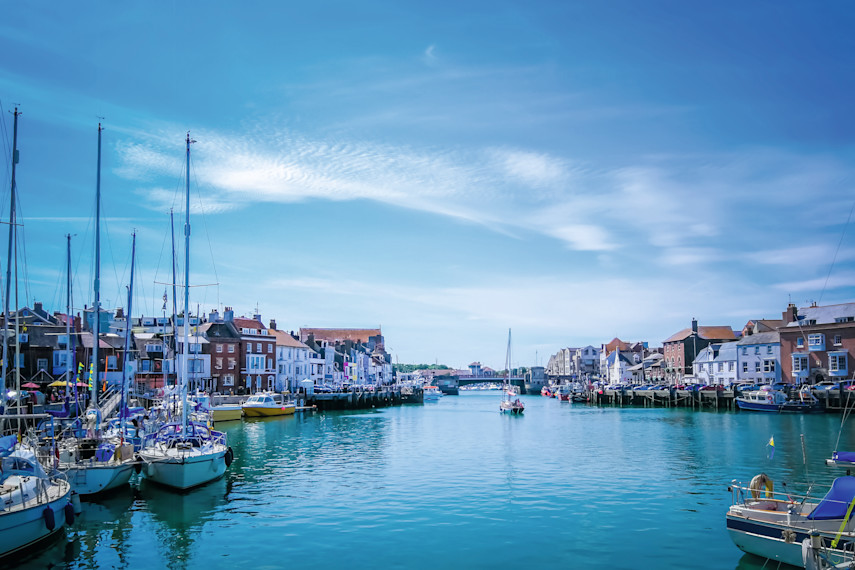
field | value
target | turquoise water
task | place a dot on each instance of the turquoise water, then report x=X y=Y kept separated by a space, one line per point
x=455 y=484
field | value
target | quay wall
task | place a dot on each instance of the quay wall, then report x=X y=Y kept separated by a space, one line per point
x=834 y=400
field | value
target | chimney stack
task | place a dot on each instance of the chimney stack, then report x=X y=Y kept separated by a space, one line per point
x=791 y=315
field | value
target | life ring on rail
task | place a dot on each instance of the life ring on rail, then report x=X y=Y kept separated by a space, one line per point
x=759 y=483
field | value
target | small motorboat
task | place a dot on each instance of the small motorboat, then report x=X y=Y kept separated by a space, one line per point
x=264 y=404
x=432 y=393
x=547 y=391
x=767 y=399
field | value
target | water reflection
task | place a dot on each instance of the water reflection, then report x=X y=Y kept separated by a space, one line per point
x=182 y=516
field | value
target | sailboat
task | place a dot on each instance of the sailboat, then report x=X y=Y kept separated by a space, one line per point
x=186 y=454
x=33 y=504
x=510 y=403
x=94 y=464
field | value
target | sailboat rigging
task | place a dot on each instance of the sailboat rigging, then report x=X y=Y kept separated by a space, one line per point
x=186 y=454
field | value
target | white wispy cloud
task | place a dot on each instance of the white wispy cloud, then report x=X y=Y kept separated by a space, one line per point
x=689 y=209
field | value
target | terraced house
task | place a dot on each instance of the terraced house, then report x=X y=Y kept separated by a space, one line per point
x=817 y=343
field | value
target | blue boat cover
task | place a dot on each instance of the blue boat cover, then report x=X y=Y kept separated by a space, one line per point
x=844 y=456
x=836 y=502
x=7 y=444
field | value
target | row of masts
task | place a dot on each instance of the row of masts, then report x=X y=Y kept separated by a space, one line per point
x=12 y=260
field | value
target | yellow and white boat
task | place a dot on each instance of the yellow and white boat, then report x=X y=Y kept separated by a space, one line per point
x=266 y=404
x=226 y=412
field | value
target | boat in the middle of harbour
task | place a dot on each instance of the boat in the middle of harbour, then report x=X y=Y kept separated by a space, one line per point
x=266 y=404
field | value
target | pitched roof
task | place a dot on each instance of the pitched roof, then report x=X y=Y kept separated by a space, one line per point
x=760 y=338
x=356 y=335
x=285 y=339
x=616 y=344
x=824 y=315
x=706 y=333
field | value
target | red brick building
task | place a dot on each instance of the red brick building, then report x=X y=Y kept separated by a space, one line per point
x=817 y=343
x=681 y=349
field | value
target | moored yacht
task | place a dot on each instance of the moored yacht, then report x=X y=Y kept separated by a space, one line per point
x=266 y=404
x=33 y=505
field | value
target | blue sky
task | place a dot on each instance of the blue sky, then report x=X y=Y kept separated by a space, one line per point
x=573 y=171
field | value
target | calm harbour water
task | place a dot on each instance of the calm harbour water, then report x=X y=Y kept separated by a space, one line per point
x=455 y=484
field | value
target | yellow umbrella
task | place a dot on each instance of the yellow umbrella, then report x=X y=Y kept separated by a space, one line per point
x=58 y=383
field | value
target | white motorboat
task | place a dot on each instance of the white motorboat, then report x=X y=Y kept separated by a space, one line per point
x=33 y=506
x=775 y=525
x=432 y=394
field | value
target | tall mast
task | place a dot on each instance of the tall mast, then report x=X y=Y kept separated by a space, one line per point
x=186 y=331
x=97 y=307
x=9 y=255
x=69 y=365
x=122 y=413
x=174 y=342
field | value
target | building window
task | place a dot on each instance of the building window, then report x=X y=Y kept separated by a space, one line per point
x=219 y=363
x=800 y=342
x=231 y=348
x=231 y=363
x=721 y=366
x=800 y=363
x=745 y=367
x=145 y=366
x=42 y=364
x=838 y=340
x=769 y=349
x=816 y=342
x=756 y=350
x=837 y=363
x=270 y=383
x=258 y=347
x=60 y=358
x=228 y=380
x=269 y=348
x=219 y=348
x=730 y=366
x=768 y=366
x=744 y=351
x=757 y=366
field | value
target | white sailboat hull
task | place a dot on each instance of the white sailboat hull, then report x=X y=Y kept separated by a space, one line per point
x=184 y=469
x=97 y=478
x=21 y=527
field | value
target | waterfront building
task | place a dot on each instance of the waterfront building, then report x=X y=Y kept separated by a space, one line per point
x=198 y=354
x=649 y=370
x=292 y=360
x=759 y=358
x=681 y=348
x=257 y=353
x=570 y=364
x=618 y=365
x=224 y=348
x=716 y=365
x=817 y=343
